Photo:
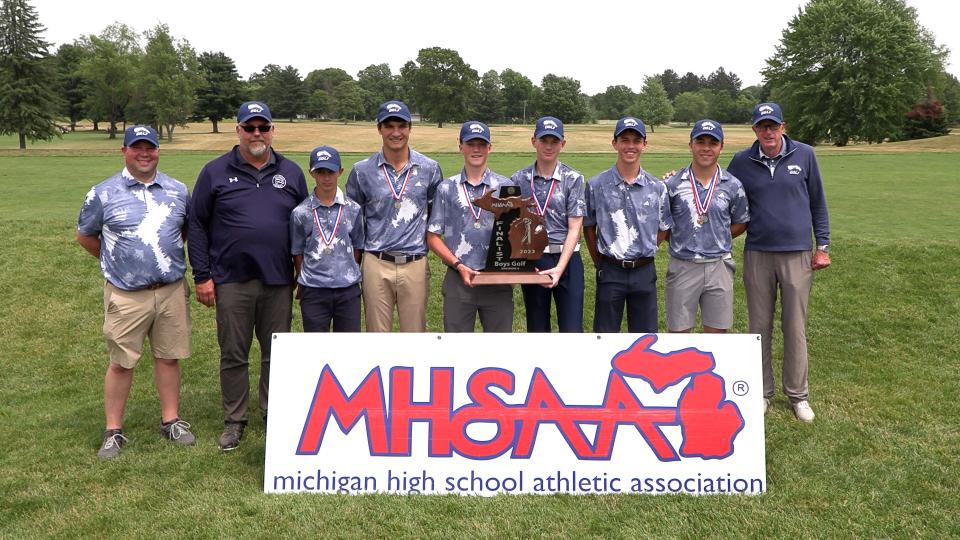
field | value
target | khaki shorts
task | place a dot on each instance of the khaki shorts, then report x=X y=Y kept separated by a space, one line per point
x=708 y=285
x=130 y=317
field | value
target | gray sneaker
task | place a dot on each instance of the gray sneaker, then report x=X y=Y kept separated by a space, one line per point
x=230 y=438
x=113 y=439
x=178 y=431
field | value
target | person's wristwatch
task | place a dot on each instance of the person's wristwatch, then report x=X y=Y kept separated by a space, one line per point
x=824 y=248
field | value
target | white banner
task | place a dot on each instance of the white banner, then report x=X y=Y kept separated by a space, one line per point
x=482 y=414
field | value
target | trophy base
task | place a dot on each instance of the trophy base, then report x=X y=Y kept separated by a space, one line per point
x=509 y=278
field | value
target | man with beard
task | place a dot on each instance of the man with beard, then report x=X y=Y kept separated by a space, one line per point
x=240 y=253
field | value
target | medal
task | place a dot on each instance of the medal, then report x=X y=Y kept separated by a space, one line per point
x=323 y=237
x=542 y=209
x=476 y=214
x=703 y=207
x=397 y=195
x=476 y=224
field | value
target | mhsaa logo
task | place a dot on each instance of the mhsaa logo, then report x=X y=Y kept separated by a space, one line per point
x=630 y=122
x=393 y=107
x=766 y=109
x=254 y=108
x=709 y=423
x=140 y=131
x=709 y=126
x=549 y=124
x=476 y=128
x=323 y=155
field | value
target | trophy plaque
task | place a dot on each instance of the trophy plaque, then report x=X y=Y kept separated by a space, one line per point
x=517 y=240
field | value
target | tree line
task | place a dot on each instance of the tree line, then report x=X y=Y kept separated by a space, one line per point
x=845 y=70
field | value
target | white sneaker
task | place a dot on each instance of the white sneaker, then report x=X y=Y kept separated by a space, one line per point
x=803 y=411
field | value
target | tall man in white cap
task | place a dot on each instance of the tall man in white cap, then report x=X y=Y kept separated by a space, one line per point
x=240 y=253
x=133 y=222
x=709 y=209
x=394 y=188
x=627 y=217
x=788 y=210
x=557 y=192
x=459 y=233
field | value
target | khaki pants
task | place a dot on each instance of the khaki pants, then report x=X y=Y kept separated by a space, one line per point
x=162 y=315
x=387 y=284
x=764 y=274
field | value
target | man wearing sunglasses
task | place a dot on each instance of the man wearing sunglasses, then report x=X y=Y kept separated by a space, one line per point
x=788 y=209
x=240 y=252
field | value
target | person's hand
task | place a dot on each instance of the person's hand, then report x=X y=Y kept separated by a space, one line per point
x=206 y=293
x=554 y=274
x=466 y=273
x=821 y=260
x=296 y=292
x=669 y=174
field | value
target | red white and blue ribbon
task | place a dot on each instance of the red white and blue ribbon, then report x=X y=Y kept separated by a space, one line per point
x=327 y=240
x=542 y=210
x=704 y=206
x=403 y=187
x=470 y=205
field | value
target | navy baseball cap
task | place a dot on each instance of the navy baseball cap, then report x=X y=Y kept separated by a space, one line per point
x=393 y=109
x=473 y=129
x=767 y=111
x=707 y=127
x=548 y=125
x=325 y=157
x=253 y=109
x=140 y=133
x=629 y=122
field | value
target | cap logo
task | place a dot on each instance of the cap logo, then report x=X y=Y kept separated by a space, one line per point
x=393 y=107
x=254 y=108
x=766 y=109
x=141 y=131
x=476 y=128
x=630 y=122
x=708 y=126
x=323 y=155
x=549 y=124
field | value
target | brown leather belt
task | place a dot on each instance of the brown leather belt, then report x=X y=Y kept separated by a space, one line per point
x=627 y=264
x=396 y=259
x=152 y=287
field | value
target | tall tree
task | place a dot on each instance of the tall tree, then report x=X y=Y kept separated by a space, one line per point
x=379 y=85
x=614 y=102
x=671 y=83
x=282 y=90
x=110 y=68
x=690 y=82
x=444 y=86
x=851 y=69
x=220 y=92
x=70 y=85
x=561 y=97
x=689 y=107
x=28 y=104
x=348 y=101
x=652 y=105
x=722 y=81
x=325 y=79
x=319 y=104
x=490 y=105
x=170 y=75
x=518 y=96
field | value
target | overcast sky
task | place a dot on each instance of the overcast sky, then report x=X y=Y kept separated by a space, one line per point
x=598 y=42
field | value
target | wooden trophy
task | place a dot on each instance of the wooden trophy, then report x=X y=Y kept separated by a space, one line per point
x=517 y=241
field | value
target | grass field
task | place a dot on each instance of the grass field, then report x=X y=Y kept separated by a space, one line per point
x=881 y=459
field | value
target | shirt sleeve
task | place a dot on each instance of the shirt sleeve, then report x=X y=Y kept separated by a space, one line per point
x=666 y=217
x=90 y=221
x=436 y=221
x=201 y=209
x=353 y=187
x=357 y=236
x=818 y=203
x=576 y=205
x=589 y=201
x=298 y=237
x=434 y=183
x=740 y=211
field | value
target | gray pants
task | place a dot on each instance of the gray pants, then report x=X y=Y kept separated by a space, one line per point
x=764 y=274
x=462 y=304
x=243 y=308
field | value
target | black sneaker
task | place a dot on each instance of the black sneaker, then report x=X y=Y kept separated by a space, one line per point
x=113 y=440
x=178 y=431
x=230 y=438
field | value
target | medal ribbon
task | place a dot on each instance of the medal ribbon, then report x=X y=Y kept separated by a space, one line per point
x=328 y=240
x=470 y=205
x=542 y=210
x=403 y=187
x=703 y=206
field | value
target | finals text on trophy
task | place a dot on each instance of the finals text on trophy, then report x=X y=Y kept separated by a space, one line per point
x=517 y=241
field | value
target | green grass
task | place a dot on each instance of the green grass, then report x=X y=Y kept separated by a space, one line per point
x=881 y=459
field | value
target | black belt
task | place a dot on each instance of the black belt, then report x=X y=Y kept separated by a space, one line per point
x=396 y=259
x=150 y=287
x=627 y=264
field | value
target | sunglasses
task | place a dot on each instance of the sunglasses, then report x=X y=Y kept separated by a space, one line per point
x=265 y=128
